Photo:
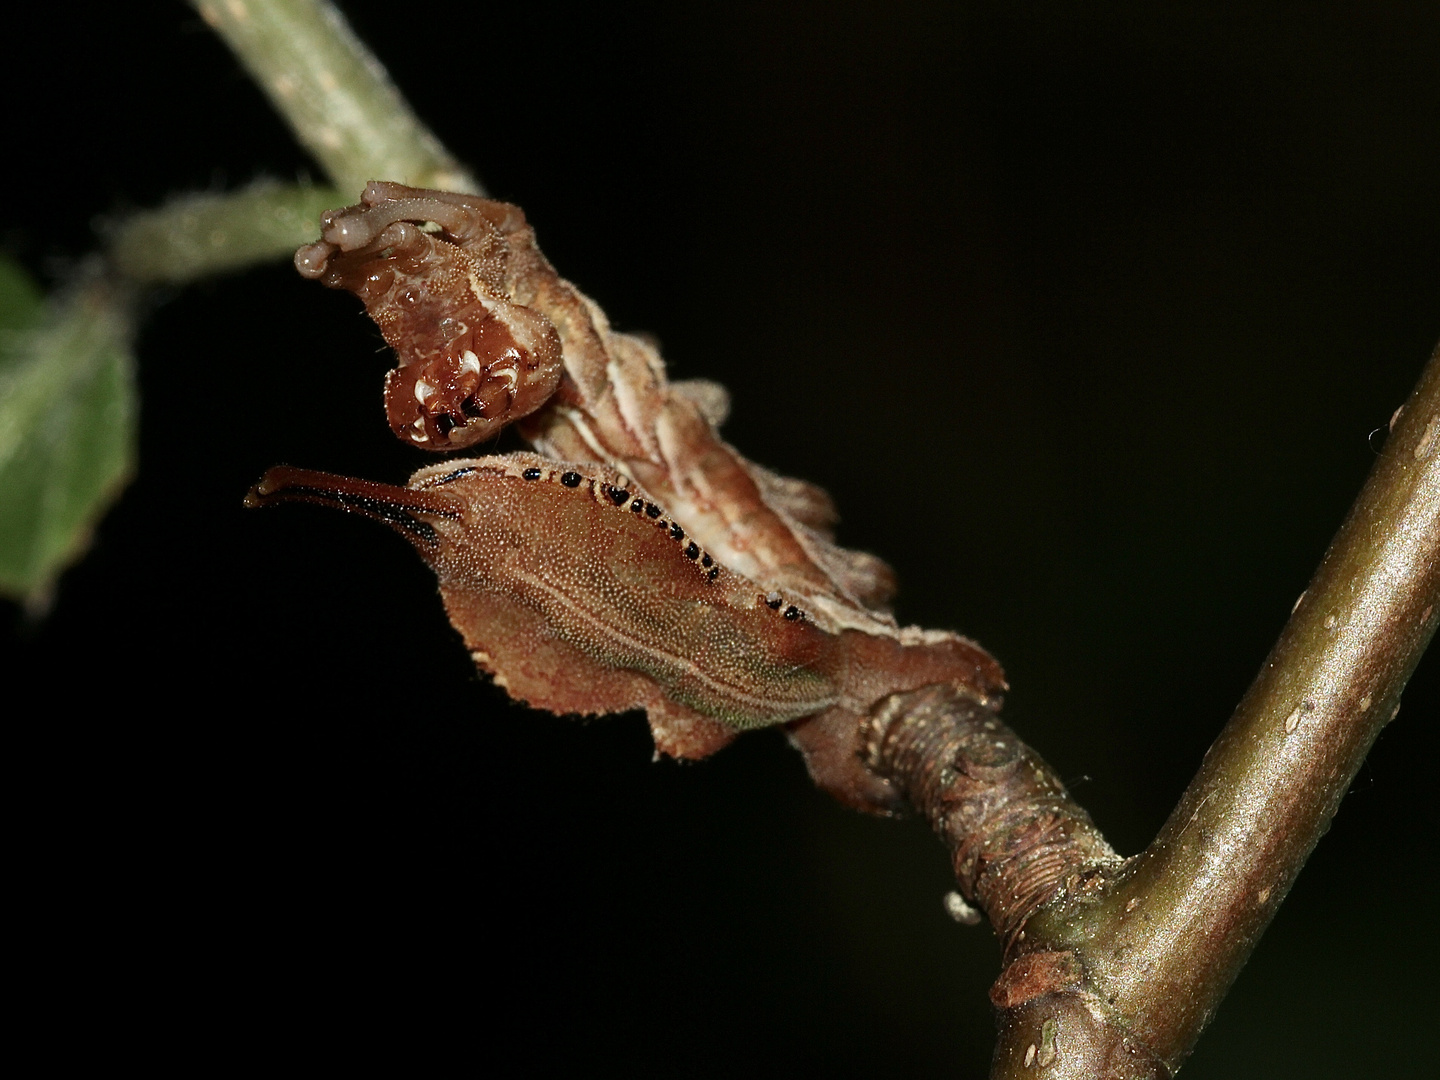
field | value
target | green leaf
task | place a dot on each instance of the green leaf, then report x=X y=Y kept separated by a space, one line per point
x=22 y=305
x=67 y=425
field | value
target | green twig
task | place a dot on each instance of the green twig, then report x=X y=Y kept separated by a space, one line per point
x=194 y=236
x=334 y=94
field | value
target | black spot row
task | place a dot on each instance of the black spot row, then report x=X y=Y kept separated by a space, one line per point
x=618 y=496
x=774 y=601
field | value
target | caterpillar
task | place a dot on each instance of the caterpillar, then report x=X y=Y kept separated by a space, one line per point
x=570 y=581
x=437 y=273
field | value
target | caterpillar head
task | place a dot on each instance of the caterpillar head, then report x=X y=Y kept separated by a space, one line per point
x=432 y=273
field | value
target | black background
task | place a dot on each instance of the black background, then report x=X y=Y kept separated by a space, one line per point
x=1083 y=319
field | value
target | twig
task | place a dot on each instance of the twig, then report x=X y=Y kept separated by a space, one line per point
x=194 y=236
x=1016 y=837
x=334 y=94
x=1160 y=948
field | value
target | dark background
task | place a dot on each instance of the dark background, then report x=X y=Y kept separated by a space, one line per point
x=1085 y=321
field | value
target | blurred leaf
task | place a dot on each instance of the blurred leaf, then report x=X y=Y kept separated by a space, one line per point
x=67 y=425
x=22 y=305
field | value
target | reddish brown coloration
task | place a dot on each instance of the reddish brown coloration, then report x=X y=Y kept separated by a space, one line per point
x=770 y=528
x=868 y=668
x=1033 y=974
x=615 y=406
x=831 y=745
x=438 y=273
x=397 y=507
x=580 y=593
x=1018 y=843
x=1017 y=838
x=576 y=603
x=462 y=293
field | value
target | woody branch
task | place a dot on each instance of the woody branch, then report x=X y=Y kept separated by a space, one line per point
x=1156 y=948
x=1112 y=968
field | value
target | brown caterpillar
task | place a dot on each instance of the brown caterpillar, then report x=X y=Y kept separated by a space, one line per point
x=717 y=602
x=580 y=594
x=436 y=271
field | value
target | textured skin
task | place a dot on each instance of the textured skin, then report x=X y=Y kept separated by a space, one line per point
x=723 y=604
x=470 y=359
x=581 y=594
x=615 y=585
